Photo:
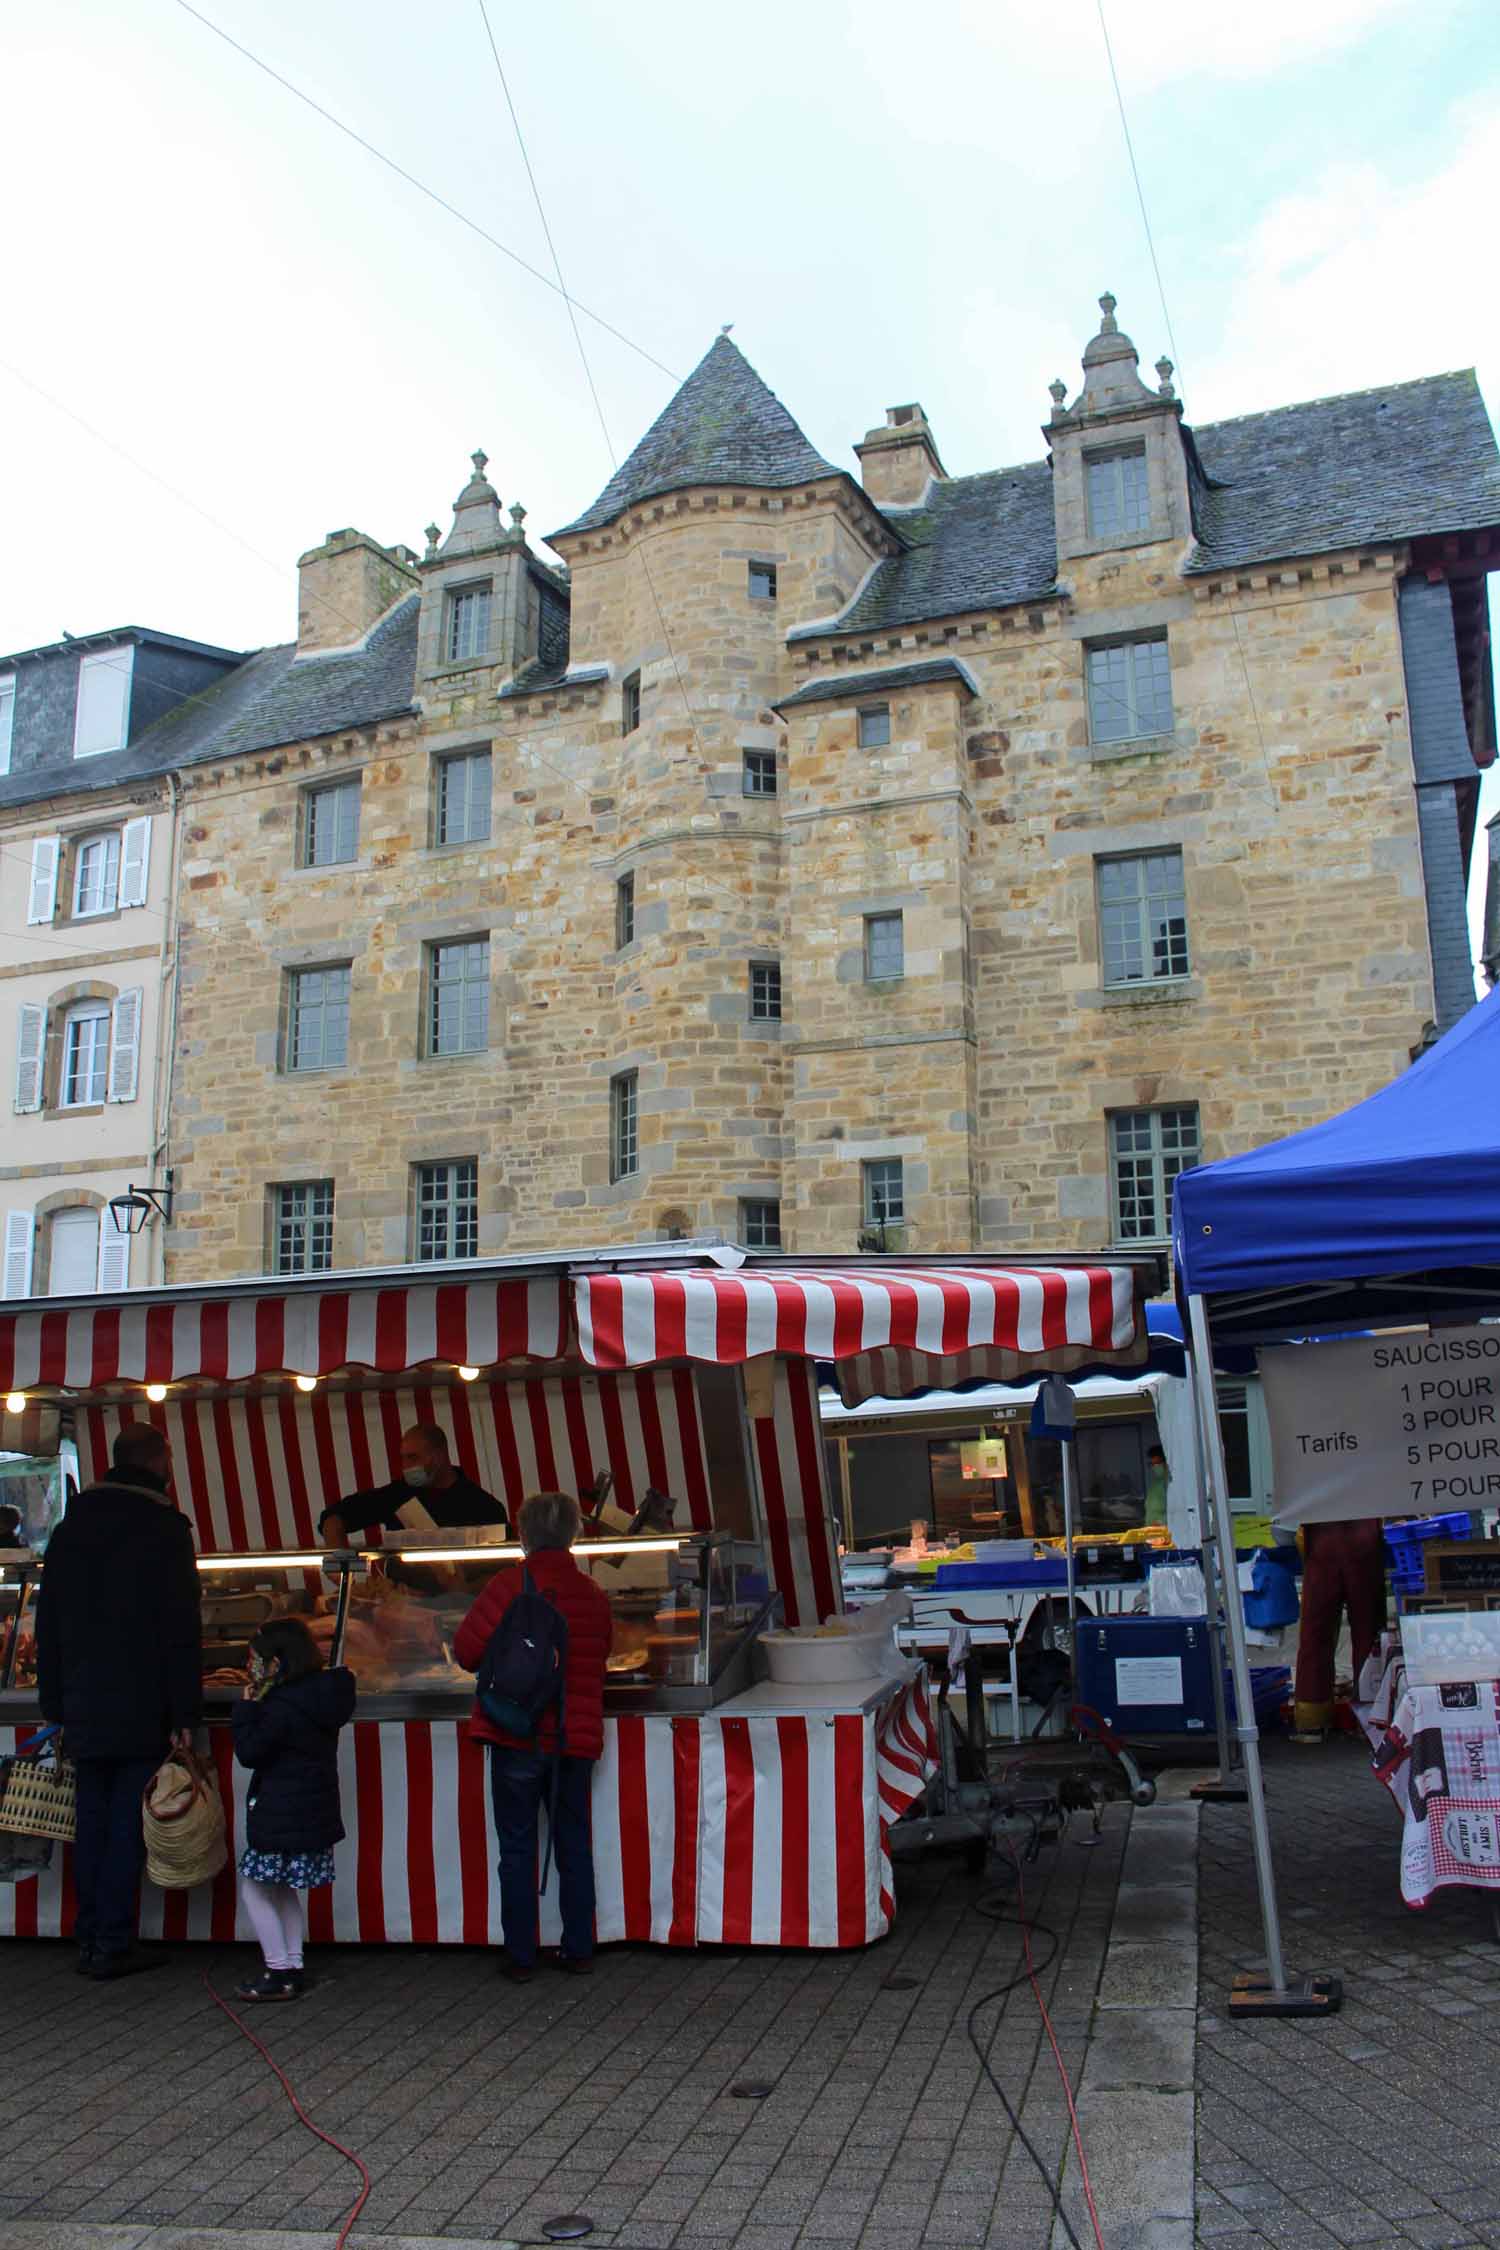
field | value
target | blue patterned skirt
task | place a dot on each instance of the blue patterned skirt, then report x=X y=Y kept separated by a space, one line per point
x=304 y=1871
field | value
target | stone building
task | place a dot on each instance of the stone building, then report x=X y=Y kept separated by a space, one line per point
x=88 y=944
x=935 y=861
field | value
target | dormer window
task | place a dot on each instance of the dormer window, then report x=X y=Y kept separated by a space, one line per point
x=1119 y=498
x=102 y=718
x=468 y=637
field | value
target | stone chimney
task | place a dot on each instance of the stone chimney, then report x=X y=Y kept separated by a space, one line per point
x=898 y=462
x=345 y=585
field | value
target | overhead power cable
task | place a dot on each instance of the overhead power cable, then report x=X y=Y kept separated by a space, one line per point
x=421 y=186
x=1140 y=193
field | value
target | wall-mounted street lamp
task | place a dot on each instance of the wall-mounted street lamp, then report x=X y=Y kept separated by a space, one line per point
x=132 y=1211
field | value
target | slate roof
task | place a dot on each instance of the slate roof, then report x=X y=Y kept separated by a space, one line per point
x=78 y=643
x=844 y=687
x=723 y=427
x=1393 y=463
x=267 y=701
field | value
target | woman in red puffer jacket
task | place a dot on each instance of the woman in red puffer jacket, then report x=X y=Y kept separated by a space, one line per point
x=520 y=1770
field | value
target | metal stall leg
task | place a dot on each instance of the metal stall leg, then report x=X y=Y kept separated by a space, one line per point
x=1276 y=1994
x=1227 y=1786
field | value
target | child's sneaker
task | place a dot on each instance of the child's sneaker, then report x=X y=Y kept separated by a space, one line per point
x=272 y=1984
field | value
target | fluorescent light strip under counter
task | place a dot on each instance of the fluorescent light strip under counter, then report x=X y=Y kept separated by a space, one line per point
x=337 y=1557
x=517 y=1553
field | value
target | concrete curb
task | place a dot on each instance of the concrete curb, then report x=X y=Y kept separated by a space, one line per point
x=68 y=2234
x=1136 y=2099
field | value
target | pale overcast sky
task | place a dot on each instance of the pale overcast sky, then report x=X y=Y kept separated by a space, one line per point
x=888 y=202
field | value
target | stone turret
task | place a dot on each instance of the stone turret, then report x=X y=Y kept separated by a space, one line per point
x=475 y=586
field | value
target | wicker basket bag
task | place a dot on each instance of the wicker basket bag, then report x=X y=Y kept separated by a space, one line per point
x=38 y=1792
x=182 y=1814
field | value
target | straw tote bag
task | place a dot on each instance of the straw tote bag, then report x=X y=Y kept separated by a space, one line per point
x=182 y=1815
x=38 y=1795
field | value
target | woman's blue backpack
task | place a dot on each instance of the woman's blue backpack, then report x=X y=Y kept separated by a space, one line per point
x=524 y=1666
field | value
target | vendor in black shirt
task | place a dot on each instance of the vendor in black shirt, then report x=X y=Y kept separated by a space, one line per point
x=429 y=1495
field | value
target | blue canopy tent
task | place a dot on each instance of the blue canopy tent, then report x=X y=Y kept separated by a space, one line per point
x=1382 y=1216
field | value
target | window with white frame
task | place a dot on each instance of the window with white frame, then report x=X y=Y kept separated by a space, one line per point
x=1119 y=498
x=884 y=1184
x=1130 y=689
x=874 y=726
x=462 y=814
x=468 y=638
x=760 y=1222
x=624 y=1125
x=7 y=717
x=302 y=1227
x=96 y=874
x=1147 y=1150
x=446 y=1209
x=758 y=777
x=317 y=1017
x=85 y=1055
x=102 y=716
x=885 y=948
x=1143 y=933
x=73 y=1251
x=458 y=997
x=765 y=992
x=330 y=823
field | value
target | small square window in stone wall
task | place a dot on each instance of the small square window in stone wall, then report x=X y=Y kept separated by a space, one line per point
x=760 y=773
x=330 y=824
x=765 y=991
x=1147 y=1150
x=885 y=948
x=762 y=582
x=463 y=798
x=317 y=1023
x=468 y=624
x=874 y=726
x=760 y=1223
x=884 y=1192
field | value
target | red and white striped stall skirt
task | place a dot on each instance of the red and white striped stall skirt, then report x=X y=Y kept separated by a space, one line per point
x=766 y=1829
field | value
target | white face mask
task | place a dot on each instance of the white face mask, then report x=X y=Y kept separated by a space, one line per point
x=417 y=1480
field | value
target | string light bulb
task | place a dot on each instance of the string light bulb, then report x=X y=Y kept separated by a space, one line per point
x=307 y=1382
x=15 y=1402
x=468 y=1374
x=156 y=1392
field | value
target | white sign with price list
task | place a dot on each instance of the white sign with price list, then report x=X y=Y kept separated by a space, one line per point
x=1395 y=1425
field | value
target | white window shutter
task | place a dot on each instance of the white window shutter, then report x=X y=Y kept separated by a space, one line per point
x=135 y=862
x=45 y=854
x=31 y=1050
x=125 y=1047
x=114 y=1255
x=7 y=720
x=20 y=1229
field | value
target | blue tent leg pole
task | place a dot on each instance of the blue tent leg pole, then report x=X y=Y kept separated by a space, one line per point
x=1275 y=1994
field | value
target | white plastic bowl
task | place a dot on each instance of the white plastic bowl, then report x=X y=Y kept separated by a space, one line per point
x=820 y=1663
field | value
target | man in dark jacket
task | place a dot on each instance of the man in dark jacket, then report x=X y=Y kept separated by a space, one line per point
x=521 y=1771
x=429 y=1495
x=119 y=1666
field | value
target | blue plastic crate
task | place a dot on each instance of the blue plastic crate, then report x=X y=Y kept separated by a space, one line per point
x=1405 y=1541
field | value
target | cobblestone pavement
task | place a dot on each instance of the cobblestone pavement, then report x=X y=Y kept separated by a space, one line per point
x=1378 y=2127
x=483 y=2109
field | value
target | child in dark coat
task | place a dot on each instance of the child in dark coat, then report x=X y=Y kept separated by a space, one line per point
x=287 y=1731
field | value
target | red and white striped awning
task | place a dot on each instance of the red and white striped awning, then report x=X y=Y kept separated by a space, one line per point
x=232 y=1338
x=889 y=1330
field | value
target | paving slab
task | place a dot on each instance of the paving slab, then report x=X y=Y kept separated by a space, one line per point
x=1149 y=1976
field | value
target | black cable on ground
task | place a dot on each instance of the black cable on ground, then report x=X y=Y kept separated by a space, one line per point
x=992 y=1906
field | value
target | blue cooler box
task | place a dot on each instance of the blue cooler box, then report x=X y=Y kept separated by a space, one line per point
x=1146 y=1675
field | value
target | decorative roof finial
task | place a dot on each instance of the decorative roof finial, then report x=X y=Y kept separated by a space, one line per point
x=1059 y=391
x=481 y=461
x=433 y=535
x=1164 y=378
x=1108 y=324
x=724 y=331
x=517 y=515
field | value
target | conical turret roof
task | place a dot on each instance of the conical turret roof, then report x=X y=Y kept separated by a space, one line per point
x=723 y=427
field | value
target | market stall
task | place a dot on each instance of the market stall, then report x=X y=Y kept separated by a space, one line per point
x=1386 y=1216
x=726 y=1807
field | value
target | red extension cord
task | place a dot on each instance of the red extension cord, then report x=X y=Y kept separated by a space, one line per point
x=291 y=2094
x=1083 y=2162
